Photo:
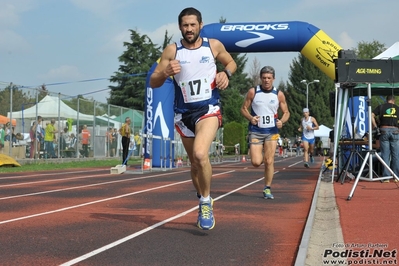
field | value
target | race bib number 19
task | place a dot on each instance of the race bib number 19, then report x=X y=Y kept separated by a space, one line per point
x=266 y=121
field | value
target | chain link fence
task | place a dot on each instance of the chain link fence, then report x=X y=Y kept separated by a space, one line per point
x=33 y=110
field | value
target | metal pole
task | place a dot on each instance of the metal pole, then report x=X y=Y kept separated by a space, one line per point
x=307 y=95
x=10 y=133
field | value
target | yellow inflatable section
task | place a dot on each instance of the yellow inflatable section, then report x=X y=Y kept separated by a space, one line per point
x=321 y=50
x=7 y=161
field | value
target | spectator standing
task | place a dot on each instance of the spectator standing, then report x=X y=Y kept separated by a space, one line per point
x=108 y=137
x=85 y=140
x=285 y=147
x=49 y=138
x=307 y=126
x=260 y=108
x=319 y=146
x=387 y=115
x=64 y=139
x=331 y=142
x=2 y=135
x=33 y=140
x=298 y=144
x=9 y=135
x=137 y=141
x=125 y=131
x=39 y=135
x=280 y=147
x=115 y=139
x=72 y=146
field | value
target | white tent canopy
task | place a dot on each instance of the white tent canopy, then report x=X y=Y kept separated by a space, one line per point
x=323 y=131
x=50 y=107
x=391 y=52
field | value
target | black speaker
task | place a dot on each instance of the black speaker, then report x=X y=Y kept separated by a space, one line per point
x=332 y=103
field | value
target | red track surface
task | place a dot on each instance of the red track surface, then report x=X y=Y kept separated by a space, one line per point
x=370 y=220
x=90 y=217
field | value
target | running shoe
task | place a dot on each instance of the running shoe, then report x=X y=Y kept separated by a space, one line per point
x=199 y=196
x=267 y=194
x=206 y=221
x=306 y=164
x=311 y=159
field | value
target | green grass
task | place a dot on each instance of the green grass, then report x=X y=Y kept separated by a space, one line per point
x=46 y=165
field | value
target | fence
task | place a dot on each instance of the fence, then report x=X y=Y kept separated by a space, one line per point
x=71 y=114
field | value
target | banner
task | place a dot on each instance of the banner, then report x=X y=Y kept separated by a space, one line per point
x=288 y=36
x=159 y=121
x=357 y=110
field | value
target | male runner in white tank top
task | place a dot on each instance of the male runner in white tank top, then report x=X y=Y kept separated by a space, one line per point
x=260 y=108
x=197 y=107
x=307 y=126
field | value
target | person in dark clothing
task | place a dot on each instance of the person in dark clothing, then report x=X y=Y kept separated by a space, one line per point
x=387 y=115
x=331 y=141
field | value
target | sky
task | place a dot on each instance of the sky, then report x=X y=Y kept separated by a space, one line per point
x=73 y=46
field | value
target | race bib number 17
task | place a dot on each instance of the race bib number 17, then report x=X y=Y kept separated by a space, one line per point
x=196 y=90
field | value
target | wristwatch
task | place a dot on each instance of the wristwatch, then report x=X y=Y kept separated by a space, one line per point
x=228 y=73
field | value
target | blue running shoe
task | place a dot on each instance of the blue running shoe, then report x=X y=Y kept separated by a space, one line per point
x=306 y=164
x=267 y=194
x=311 y=159
x=206 y=221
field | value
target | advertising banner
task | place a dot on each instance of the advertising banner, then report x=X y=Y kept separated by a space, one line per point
x=159 y=121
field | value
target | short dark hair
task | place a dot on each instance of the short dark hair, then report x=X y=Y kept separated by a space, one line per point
x=390 y=98
x=190 y=11
x=267 y=69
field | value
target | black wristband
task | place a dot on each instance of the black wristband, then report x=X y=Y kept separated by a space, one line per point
x=228 y=73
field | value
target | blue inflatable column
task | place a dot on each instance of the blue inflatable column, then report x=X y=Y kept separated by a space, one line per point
x=159 y=121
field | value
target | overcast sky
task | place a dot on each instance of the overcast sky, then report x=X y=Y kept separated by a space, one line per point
x=71 y=41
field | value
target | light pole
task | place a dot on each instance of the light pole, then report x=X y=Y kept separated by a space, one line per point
x=307 y=89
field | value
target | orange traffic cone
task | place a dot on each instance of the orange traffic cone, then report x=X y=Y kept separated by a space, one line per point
x=147 y=164
x=243 y=159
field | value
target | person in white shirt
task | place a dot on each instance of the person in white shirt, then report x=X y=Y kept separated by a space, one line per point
x=307 y=126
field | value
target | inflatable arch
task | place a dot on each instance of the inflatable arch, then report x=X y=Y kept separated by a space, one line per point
x=248 y=37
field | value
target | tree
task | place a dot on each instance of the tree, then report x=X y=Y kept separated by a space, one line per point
x=295 y=93
x=239 y=83
x=254 y=72
x=232 y=97
x=19 y=99
x=138 y=58
x=367 y=50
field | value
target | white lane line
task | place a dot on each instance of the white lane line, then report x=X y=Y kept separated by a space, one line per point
x=83 y=186
x=46 y=174
x=51 y=180
x=98 y=201
x=127 y=238
x=291 y=165
x=89 y=203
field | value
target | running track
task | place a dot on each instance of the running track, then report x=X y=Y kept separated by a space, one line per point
x=90 y=217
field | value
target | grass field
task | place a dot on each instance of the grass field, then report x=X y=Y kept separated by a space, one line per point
x=43 y=165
